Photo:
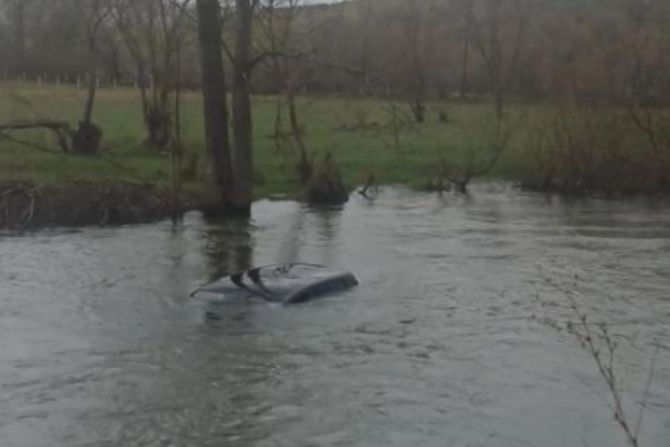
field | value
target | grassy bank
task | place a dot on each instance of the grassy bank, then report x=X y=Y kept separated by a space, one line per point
x=576 y=148
x=365 y=137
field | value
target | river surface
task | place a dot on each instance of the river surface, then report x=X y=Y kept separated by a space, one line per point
x=454 y=338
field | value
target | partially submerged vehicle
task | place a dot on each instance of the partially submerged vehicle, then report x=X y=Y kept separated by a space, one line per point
x=285 y=284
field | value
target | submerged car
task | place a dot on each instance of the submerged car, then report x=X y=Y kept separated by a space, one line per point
x=285 y=284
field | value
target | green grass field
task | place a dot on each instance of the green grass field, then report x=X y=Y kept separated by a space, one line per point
x=360 y=134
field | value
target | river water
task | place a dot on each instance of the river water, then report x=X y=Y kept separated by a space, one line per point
x=454 y=337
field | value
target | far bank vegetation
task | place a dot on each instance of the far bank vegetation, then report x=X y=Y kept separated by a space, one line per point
x=556 y=96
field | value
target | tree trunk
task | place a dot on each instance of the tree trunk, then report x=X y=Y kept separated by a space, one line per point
x=500 y=100
x=305 y=166
x=242 y=120
x=418 y=108
x=497 y=83
x=19 y=44
x=465 y=63
x=90 y=97
x=92 y=83
x=214 y=98
x=86 y=140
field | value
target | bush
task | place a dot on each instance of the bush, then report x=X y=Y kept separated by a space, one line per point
x=587 y=148
x=325 y=186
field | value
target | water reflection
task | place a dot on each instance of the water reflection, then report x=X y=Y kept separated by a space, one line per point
x=327 y=229
x=228 y=246
x=290 y=241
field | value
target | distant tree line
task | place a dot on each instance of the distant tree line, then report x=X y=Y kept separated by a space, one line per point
x=416 y=49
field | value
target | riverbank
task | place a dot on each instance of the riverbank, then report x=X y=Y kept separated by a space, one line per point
x=25 y=205
x=373 y=142
x=368 y=138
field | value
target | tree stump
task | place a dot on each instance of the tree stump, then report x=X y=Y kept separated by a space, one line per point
x=159 y=126
x=86 y=139
x=326 y=186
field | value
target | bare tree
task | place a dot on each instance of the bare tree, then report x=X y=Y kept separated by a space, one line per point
x=16 y=12
x=466 y=11
x=416 y=52
x=499 y=29
x=153 y=31
x=286 y=50
x=86 y=139
x=19 y=38
x=645 y=84
x=598 y=340
x=242 y=119
x=215 y=107
x=365 y=22
x=475 y=157
x=232 y=169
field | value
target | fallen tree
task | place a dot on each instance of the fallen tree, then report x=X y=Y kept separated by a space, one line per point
x=61 y=129
x=85 y=140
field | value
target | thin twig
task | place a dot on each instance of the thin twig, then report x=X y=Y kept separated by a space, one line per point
x=28 y=144
x=605 y=363
x=645 y=395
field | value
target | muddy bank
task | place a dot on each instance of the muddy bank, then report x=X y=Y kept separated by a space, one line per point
x=24 y=205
